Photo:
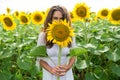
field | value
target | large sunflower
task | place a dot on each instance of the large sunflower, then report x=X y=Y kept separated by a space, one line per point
x=103 y=13
x=24 y=19
x=37 y=17
x=60 y=32
x=8 y=22
x=114 y=16
x=81 y=11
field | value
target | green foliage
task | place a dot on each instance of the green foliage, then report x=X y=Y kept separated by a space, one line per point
x=115 y=68
x=97 y=51
x=15 y=64
x=38 y=51
x=98 y=48
x=114 y=55
x=77 y=51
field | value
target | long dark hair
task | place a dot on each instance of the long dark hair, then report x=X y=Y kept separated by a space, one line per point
x=48 y=19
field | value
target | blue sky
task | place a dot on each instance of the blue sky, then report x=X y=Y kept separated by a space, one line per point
x=33 y=5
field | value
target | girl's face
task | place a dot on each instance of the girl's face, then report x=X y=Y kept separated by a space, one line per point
x=57 y=15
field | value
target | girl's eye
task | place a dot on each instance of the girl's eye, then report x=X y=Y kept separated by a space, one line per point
x=56 y=18
x=62 y=18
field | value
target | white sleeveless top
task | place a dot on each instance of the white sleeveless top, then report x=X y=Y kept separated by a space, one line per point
x=53 y=60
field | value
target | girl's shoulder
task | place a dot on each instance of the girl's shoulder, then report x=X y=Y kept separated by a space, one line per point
x=42 y=33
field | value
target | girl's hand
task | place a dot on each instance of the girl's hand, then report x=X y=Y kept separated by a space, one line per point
x=58 y=71
x=64 y=67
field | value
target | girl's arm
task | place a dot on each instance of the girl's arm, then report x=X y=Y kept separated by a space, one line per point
x=71 y=62
x=55 y=70
x=45 y=65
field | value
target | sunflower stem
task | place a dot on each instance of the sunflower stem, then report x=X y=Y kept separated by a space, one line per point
x=59 y=58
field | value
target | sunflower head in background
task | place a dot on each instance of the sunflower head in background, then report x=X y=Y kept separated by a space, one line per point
x=23 y=18
x=8 y=22
x=59 y=32
x=81 y=11
x=114 y=16
x=37 y=17
x=103 y=13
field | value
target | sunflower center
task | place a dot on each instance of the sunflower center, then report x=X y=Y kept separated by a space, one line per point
x=116 y=15
x=37 y=18
x=104 y=13
x=71 y=15
x=8 y=21
x=24 y=19
x=16 y=13
x=60 y=32
x=81 y=11
x=8 y=10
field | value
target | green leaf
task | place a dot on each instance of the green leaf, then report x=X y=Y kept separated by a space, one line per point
x=77 y=51
x=105 y=49
x=89 y=45
x=114 y=56
x=90 y=76
x=82 y=64
x=34 y=70
x=5 y=53
x=100 y=74
x=99 y=51
x=38 y=51
x=115 y=69
x=24 y=63
x=5 y=75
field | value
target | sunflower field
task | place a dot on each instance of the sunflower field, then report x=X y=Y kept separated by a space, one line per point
x=97 y=39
